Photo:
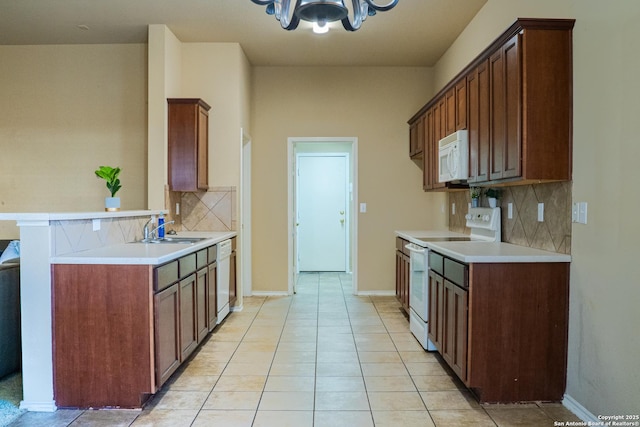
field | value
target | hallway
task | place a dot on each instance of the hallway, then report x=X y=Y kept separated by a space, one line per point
x=320 y=358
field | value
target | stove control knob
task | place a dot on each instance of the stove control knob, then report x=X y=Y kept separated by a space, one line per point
x=486 y=218
x=468 y=217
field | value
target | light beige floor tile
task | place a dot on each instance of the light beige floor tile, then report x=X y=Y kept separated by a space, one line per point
x=339 y=384
x=341 y=401
x=558 y=412
x=403 y=418
x=293 y=369
x=398 y=383
x=234 y=368
x=340 y=369
x=179 y=400
x=115 y=417
x=253 y=357
x=328 y=321
x=333 y=330
x=295 y=357
x=245 y=347
x=458 y=399
x=222 y=346
x=296 y=346
x=283 y=419
x=515 y=417
x=241 y=383
x=166 y=418
x=462 y=418
x=419 y=356
x=379 y=357
x=247 y=400
x=61 y=417
x=196 y=368
x=208 y=418
x=336 y=346
x=338 y=357
x=287 y=383
x=369 y=329
x=343 y=418
x=425 y=369
x=436 y=383
x=395 y=401
x=286 y=401
x=383 y=369
x=187 y=382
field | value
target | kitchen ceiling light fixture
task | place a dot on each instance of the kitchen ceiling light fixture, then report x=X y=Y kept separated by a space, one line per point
x=320 y=12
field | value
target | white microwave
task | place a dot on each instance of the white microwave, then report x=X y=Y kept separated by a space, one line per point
x=453 y=157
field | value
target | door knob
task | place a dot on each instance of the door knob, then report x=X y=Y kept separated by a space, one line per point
x=341 y=212
x=342 y=221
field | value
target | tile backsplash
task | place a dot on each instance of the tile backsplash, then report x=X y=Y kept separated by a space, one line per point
x=212 y=210
x=553 y=234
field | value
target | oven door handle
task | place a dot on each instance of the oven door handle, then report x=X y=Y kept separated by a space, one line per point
x=415 y=248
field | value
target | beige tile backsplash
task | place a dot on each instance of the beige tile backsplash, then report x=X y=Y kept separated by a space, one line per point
x=553 y=234
x=212 y=210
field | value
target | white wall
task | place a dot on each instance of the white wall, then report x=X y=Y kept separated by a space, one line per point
x=604 y=343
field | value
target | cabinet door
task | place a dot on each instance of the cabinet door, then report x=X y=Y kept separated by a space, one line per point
x=450 y=112
x=203 y=148
x=461 y=104
x=201 y=304
x=436 y=283
x=212 y=302
x=505 y=99
x=416 y=138
x=439 y=132
x=478 y=123
x=188 y=322
x=457 y=316
x=167 y=333
x=427 y=152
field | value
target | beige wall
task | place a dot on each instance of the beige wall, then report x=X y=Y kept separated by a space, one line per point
x=372 y=104
x=64 y=111
x=604 y=344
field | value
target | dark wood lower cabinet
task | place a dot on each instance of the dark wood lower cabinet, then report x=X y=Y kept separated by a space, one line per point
x=403 y=270
x=120 y=331
x=505 y=336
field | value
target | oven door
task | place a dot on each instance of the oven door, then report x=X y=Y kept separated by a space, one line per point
x=418 y=295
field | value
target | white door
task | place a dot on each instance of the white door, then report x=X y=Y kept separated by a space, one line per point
x=321 y=212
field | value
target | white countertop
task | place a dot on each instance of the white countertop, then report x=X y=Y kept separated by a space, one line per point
x=414 y=235
x=482 y=252
x=143 y=253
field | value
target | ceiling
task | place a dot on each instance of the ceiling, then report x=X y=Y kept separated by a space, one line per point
x=414 y=33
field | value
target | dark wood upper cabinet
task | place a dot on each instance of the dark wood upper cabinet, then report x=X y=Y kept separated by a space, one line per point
x=516 y=101
x=188 y=144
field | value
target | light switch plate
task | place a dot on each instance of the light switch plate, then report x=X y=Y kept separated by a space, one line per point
x=510 y=211
x=363 y=207
x=96 y=224
x=579 y=212
x=453 y=208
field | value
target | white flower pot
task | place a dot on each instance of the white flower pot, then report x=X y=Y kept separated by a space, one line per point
x=112 y=204
x=493 y=202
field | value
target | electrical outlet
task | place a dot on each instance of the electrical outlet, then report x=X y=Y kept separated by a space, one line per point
x=96 y=224
x=540 y=212
x=510 y=211
x=579 y=212
x=177 y=208
x=363 y=207
x=453 y=208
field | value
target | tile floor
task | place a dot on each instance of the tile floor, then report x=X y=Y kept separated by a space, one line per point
x=320 y=358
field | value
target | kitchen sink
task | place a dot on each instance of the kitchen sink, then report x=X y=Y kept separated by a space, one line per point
x=173 y=240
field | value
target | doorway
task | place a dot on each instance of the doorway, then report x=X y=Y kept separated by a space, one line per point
x=322 y=198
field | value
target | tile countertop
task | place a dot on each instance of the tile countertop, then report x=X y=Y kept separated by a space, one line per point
x=143 y=253
x=483 y=252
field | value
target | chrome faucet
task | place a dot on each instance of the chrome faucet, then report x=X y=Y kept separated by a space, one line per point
x=153 y=232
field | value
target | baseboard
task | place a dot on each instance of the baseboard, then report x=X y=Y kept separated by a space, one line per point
x=38 y=406
x=237 y=308
x=580 y=411
x=269 y=294
x=377 y=293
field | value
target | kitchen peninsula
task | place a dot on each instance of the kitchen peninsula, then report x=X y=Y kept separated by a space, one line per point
x=55 y=242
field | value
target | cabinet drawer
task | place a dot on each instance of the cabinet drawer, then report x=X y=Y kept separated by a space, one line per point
x=436 y=262
x=187 y=265
x=456 y=272
x=213 y=253
x=165 y=275
x=201 y=258
x=400 y=245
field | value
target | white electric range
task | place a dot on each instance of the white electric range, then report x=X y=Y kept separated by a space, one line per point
x=485 y=225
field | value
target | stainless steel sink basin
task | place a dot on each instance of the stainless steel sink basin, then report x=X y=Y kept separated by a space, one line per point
x=173 y=240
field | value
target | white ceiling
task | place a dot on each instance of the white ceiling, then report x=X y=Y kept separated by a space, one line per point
x=414 y=33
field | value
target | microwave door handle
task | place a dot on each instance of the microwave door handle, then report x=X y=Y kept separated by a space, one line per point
x=450 y=162
x=453 y=156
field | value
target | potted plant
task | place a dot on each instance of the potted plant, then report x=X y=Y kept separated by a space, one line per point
x=493 y=194
x=475 y=196
x=110 y=175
